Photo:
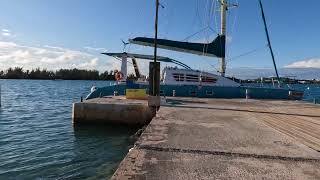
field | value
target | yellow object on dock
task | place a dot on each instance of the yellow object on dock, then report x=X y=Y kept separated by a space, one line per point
x=136 y=94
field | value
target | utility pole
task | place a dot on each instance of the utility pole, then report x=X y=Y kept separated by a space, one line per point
x=154 y=89
x=154 y=69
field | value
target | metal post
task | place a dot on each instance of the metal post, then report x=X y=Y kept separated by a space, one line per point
x=224 y=8
x=154 y=70
x=115 y=93
x=247 y=94
x=155 y=75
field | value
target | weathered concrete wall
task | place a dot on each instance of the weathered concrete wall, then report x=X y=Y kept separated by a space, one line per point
x=112 y=110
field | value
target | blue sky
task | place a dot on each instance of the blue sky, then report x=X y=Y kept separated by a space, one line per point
x=71 y=33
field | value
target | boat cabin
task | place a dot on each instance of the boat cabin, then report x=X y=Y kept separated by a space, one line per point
x=177 y=76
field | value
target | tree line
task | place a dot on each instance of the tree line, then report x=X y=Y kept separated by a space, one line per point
x=65 y=74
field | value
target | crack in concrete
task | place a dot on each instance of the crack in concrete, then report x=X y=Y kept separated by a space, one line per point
x=228 y=154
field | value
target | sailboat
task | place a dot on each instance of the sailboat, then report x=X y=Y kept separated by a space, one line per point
x=184 y=81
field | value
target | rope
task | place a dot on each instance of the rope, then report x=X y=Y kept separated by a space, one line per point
x=247 y=53
x=239 y=56
x=190 y=36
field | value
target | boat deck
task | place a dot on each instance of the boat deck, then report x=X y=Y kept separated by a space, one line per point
x=227 y=139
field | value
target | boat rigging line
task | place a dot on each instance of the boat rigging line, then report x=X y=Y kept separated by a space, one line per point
x=246 y=53
x=241 y=55
x=201 y=30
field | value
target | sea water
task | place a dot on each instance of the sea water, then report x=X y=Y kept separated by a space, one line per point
x=311 y=91
x=39 y=141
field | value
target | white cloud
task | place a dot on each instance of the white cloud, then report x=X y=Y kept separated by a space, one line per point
x=5 y=30
x=49 y=57
x=6 y=34
x=53 y=58
x=54 y=47
x=4 y=44
x=309 y=63
x=89 y=65
x=95 y=49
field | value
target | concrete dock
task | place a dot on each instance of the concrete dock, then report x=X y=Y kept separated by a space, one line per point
x=112 y=109
x=227 y=139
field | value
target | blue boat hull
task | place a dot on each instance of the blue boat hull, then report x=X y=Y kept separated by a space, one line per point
x=207 y=92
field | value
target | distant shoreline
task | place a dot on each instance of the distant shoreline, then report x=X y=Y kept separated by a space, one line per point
x=246 y=81
x=94 y=75
x=61 y=74
x=60 y=79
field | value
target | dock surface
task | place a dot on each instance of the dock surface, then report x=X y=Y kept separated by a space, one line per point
x=227 y=139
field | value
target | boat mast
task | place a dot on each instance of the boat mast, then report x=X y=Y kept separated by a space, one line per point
x=224 y=8
x=269 y=42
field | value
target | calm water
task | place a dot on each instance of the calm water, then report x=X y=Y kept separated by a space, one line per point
x=311 y=91
x=38 y=140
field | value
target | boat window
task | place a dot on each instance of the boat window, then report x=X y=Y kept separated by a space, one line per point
x=209 y=92
x=192 y=78
x=193 y=75
x=208 y=79
x=178 y=76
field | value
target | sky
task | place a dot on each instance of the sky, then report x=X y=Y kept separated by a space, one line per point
x=72 y=34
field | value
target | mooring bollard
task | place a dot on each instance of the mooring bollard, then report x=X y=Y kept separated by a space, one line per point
x=174 y=93
x=290 y=95
x=247 y=94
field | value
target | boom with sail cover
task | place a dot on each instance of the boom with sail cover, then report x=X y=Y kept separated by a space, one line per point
x=214 y=49
x=148 y=57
